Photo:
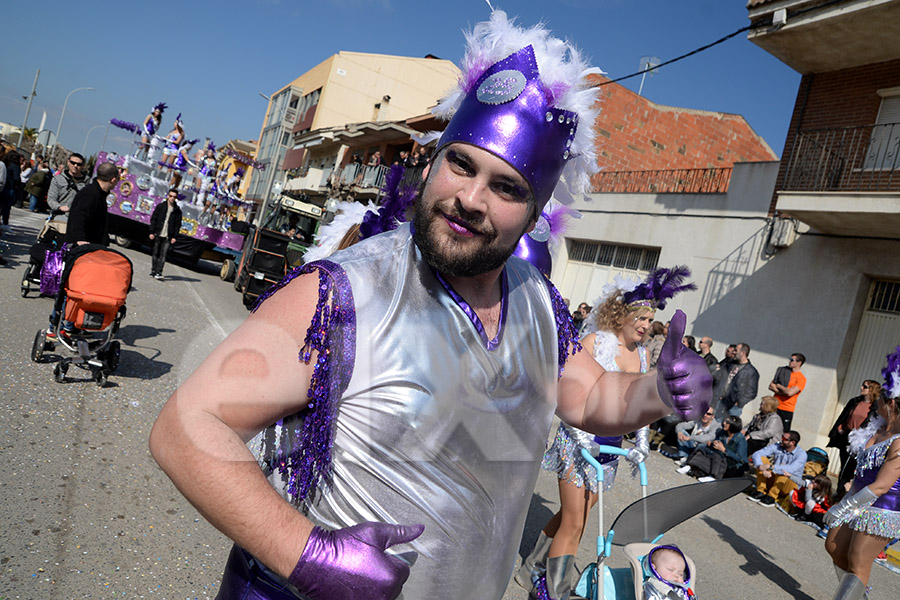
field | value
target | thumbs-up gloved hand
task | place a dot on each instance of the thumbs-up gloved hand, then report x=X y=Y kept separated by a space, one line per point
x=352 y=563
x=683 y=380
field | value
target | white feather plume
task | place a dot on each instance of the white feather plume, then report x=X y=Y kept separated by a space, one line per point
x=329 y=236
x=563 y=71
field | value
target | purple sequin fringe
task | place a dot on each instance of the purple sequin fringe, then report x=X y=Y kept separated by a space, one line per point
x=565 y=327
x=540 y=589
x=302 y=452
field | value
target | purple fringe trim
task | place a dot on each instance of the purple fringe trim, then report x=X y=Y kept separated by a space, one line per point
x=565 y=327
x=540 y=589
x=302 y=455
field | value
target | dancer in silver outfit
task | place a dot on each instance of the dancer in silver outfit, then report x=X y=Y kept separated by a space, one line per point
x=404 y=387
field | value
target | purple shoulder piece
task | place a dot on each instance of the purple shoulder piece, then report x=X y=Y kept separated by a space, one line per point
x=302 y=452
x=565 y=327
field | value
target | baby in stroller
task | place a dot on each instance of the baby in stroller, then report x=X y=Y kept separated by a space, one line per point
x=667 y=574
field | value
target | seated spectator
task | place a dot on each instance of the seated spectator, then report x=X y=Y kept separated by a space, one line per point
x=690 y=434
x=811 y=501
x=765 y=427
x=726 y=456
x=779 y=469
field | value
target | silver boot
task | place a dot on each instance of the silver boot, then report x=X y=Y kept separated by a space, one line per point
x=533 y=565
x=850 y=588
x=560 y=570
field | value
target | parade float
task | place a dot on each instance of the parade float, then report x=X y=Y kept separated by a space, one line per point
x=215 y=219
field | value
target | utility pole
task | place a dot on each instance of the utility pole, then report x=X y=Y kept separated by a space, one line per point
x=28 y=109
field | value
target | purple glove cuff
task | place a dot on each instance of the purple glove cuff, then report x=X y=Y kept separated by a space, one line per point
x=352 y=563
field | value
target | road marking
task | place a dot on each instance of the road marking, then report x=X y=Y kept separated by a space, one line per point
x=209 y=315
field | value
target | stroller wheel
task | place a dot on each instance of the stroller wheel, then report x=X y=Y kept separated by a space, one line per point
x=37 y=348
x=112 y=355
x=59 y=372
x=100 y=377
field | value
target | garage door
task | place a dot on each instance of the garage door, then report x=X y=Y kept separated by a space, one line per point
x=592 y=265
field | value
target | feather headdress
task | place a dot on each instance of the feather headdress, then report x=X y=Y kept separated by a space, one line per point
x=161 y=107
x=891 y=374
x=397 y=199
x=659 y=287
x=536 y=86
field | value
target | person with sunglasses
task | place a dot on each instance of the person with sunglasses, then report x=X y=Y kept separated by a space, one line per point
x=779 y=469
x=859 y=412
x=66 y=184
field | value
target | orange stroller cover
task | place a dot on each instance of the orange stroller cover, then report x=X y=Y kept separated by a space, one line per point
x=96 y=289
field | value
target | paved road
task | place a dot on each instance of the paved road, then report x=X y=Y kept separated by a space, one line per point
x=86 y=513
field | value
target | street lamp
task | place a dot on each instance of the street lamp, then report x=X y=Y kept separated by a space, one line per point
x=63 y=114
x=84 y=146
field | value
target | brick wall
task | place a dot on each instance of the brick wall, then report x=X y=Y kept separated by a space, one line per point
x=844 y=98
x=635 y=134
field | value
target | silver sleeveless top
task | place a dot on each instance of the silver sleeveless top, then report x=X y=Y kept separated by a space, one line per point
x=434 y=427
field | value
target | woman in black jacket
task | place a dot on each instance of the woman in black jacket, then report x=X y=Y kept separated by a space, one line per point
x=856 y=414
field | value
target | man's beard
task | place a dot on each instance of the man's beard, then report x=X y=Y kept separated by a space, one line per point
x=490 y=255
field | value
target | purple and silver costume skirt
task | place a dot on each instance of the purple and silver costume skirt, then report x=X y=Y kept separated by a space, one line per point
x=563 y=457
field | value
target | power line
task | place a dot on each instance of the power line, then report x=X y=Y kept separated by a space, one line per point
x=676 y=59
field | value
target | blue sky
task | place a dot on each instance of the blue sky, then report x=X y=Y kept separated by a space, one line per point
x=209 y=60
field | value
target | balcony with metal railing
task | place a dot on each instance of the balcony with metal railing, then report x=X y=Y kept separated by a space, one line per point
x=844 y=180
x=669 y=181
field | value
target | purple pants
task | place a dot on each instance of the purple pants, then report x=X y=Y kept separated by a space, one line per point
x=246 y=579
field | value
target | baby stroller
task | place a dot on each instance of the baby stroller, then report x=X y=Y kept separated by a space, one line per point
x=640 y=526
x=93 y=288
x=50 y=239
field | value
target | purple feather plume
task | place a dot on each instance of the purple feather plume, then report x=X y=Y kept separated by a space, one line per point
x=891 y=374
x=127 y=126
x=397 y=199
x=661 y=286
x=161 y=107
x=211 y=147
x=191 y=142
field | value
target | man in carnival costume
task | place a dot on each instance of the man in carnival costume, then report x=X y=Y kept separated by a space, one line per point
x=408 y=433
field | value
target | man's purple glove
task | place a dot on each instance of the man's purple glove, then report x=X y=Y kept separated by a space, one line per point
x=682 y=379
x=350 y=563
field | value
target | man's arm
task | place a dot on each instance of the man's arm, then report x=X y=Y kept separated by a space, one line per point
x=767 y=451
x=248 y=382
x=53 y=194
x=614 y=403
x=708 y=435
x=785 y=391
x=748 y=385
x=794 y=467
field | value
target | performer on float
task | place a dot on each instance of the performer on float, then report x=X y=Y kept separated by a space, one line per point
x=207 y=173
x=148 y=130
x=433 y=362
x=182 y=162
x=173 y=141
x=620 y=319
x=868 y=517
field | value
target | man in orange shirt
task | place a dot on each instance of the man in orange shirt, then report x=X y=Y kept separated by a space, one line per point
x=788 y=394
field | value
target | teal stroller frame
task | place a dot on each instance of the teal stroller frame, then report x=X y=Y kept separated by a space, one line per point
x=641 y=524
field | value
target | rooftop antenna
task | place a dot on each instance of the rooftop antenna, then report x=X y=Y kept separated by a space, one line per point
x=648 y=65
